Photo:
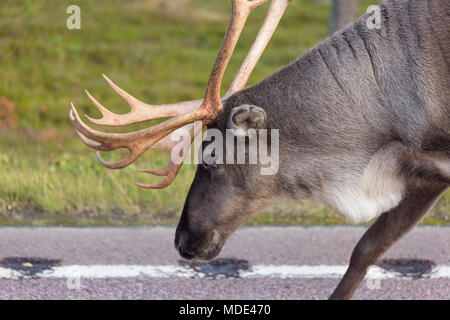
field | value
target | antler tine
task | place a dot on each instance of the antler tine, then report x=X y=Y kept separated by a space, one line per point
x=140 y=111
x=122 y=139
x=271 y=21
x=137 y=142
x=241 y=10
x=164 y=182
x=208 y=110
x=273 y=17
x=167 y=144
x=162 y=172
x=171 y=167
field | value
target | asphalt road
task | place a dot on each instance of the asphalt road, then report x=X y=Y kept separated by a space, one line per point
x=141 y=263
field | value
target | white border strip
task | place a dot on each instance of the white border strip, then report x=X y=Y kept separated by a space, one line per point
x=258 y=271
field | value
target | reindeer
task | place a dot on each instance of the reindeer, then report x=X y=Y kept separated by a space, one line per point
x=363 y=123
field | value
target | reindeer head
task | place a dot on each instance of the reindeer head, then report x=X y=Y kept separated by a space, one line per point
x=219 y=200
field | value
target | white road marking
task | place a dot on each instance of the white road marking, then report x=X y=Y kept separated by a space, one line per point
x=166 y=271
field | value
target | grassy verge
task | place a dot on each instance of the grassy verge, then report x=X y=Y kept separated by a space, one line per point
x=161 y=51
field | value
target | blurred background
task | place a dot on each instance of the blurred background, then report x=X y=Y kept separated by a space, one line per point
x=160 y=51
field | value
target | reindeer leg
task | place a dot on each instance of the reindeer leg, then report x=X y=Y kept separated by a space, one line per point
x=388 y=229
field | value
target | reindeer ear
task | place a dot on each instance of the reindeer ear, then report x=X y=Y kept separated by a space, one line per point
x=247 y=117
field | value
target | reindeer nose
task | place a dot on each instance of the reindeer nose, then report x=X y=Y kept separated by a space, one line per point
x=181 y=245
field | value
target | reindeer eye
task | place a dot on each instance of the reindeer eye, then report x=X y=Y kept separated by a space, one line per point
x=207 y=160
x=209 y=166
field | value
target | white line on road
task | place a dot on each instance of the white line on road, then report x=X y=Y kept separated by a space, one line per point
x=258 y=271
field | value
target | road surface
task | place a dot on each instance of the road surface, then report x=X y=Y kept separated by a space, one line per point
x=255 y=263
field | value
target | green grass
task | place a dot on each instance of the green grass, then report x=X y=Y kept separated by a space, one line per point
x=159 y=54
